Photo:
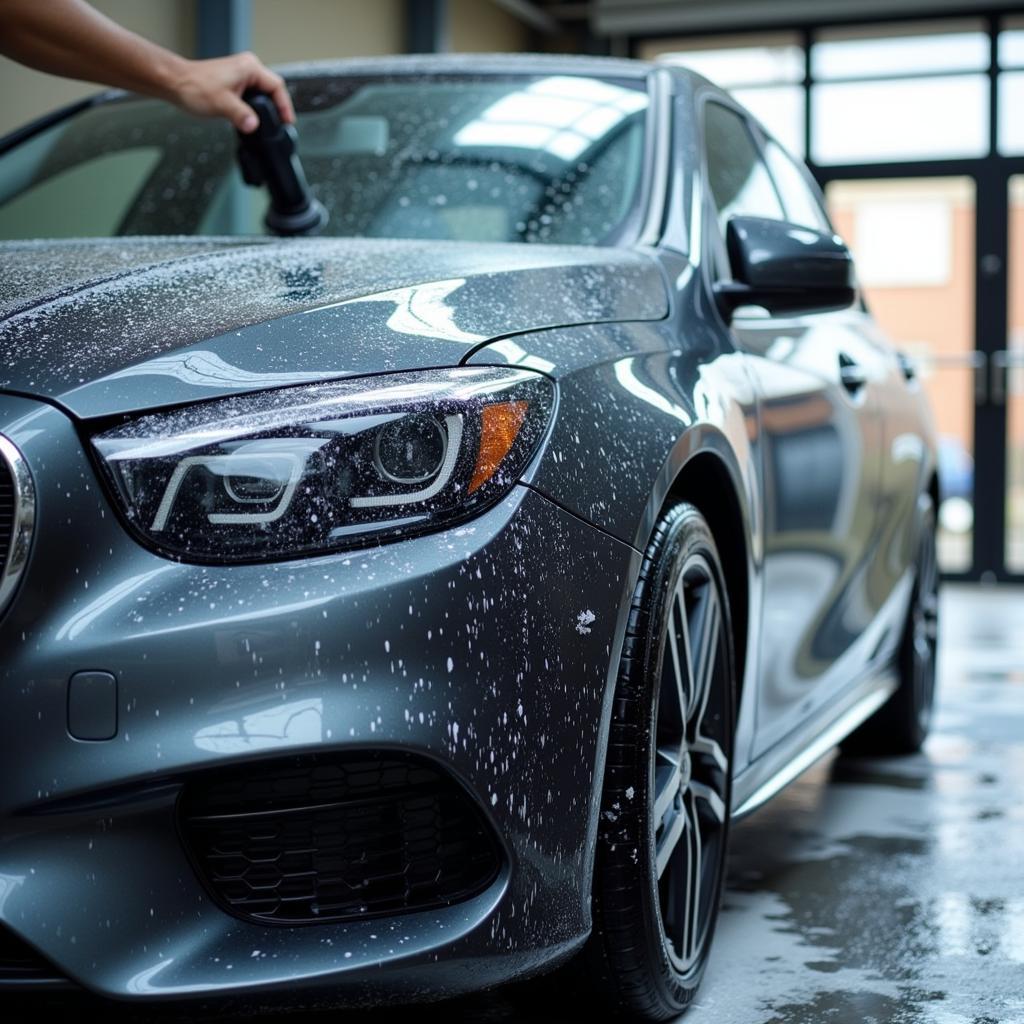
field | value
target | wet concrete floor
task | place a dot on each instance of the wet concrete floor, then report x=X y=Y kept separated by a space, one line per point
x=893 y=890
x=883 y=892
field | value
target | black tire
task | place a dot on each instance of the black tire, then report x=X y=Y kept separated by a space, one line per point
x=651 y=936
x=900 y=726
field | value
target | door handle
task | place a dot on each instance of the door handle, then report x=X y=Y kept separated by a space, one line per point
x=851 y=374
x=1003 y=363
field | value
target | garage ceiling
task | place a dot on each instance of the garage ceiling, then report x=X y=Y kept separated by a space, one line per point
x=643 y=17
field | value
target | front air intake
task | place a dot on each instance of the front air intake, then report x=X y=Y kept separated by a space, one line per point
x=22 y=967
x=339 y=838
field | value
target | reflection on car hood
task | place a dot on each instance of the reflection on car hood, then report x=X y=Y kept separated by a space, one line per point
x=117 y=325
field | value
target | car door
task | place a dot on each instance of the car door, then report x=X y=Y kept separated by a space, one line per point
x=819 y=439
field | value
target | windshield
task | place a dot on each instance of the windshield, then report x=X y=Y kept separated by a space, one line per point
x=528 y=159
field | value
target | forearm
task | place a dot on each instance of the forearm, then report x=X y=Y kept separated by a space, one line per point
x=70 y=38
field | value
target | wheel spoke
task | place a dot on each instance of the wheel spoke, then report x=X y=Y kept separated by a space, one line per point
x=675 y=825
x=709 y=752
x=692 y=909
x=704 y=627
x=681 y=663
x=667 y=778
x=710 y=798
x=674 y=913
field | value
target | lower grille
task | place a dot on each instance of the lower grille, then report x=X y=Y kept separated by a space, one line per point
x=336 y=838
x=21 y=964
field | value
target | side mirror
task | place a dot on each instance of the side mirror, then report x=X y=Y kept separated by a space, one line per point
x=785 y=268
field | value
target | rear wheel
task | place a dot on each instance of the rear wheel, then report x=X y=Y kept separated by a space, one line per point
x=660 y=862
x=901 y=725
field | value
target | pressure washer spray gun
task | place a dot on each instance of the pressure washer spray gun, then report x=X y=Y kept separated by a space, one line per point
x=269 y=156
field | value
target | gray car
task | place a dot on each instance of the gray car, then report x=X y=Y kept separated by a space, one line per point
x=405 y=610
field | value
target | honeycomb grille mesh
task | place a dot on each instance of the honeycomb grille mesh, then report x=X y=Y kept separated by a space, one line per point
x=19 y=962
x=336 y=839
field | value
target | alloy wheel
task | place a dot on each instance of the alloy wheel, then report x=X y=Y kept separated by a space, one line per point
x=690 y=769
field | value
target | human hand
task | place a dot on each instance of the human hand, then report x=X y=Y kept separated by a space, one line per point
x=213 y=88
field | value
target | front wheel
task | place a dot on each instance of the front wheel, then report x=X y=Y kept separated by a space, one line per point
x=660 y=862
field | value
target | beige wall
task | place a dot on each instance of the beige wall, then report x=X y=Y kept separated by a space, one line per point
x=479 y=26
x=29 y=94
x=322 y=29
x=281 y=32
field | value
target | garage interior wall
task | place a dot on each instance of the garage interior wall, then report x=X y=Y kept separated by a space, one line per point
x=322 y=29
x=479 y=26
x=281 y=33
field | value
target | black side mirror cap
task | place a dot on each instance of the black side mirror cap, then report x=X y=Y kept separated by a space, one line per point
x=785 y=268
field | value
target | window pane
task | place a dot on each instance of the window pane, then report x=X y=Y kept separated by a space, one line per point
x=1011 y=44
x=800 y=202
x=780 y=108
x=901 y=50
x=900 y=119
x=84 y=200
x=1011 y=125
x=738 y=179
x=730 y=60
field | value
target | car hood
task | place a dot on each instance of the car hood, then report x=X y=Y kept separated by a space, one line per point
x=120 y=325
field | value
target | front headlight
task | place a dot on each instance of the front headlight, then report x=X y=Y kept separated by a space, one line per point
x=326 y=466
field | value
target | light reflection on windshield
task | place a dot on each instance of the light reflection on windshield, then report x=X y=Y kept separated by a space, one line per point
x=561 y=114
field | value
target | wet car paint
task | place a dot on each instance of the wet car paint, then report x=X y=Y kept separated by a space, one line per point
x=868 y=891
x=650 y=379
x=245 y=318
x=448 y=645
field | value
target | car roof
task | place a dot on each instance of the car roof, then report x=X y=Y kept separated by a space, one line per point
x=685 y=81
x=471 y=63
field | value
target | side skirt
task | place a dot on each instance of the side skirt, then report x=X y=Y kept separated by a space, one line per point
x=791 y=757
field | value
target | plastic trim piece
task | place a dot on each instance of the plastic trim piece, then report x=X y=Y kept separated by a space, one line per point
x=660 y=129
x=862 y=709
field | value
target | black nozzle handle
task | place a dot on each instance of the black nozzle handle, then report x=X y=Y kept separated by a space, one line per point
x=269 y=156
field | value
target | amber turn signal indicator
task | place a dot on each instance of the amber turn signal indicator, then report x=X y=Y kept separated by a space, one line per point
x=500 y=424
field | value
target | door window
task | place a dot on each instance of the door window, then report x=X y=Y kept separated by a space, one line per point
x=802 y=206
x=737 y=177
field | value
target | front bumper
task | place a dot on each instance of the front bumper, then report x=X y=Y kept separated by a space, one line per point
x=469 y=647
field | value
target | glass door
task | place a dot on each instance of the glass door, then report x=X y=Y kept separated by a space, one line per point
x=914 y=243
x=1008 y=380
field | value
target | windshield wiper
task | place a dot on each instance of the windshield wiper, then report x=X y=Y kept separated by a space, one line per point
x=269 y=156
